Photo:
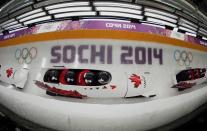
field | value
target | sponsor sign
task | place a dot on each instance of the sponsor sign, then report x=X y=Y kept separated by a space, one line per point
x=106 y=25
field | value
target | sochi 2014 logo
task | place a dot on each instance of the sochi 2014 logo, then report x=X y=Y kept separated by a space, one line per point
x=183 y=58
x=25 y=55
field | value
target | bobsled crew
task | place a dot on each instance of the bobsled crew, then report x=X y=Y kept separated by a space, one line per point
x=188 y=78
x=86 y=78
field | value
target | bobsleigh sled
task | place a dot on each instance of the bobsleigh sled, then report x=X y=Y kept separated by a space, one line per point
x=190 y=77
x=81 y=83
x=14 y=76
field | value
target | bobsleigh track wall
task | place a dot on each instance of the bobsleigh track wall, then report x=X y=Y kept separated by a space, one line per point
x=100 y=65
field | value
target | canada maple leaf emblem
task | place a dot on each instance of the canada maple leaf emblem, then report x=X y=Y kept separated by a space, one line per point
x=9 y=72
x=136 y=80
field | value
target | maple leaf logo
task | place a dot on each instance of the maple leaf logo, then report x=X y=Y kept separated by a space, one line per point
x=113 y=87
x=9 y=72
x=136 y=80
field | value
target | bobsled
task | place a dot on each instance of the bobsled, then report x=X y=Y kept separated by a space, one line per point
x=14 y=76
x=82 y=83
x=188 y=78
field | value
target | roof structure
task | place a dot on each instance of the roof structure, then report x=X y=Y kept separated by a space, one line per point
x=187 y=15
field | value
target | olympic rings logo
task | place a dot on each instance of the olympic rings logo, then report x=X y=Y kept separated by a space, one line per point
x=25 y=55
x=183 y=57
